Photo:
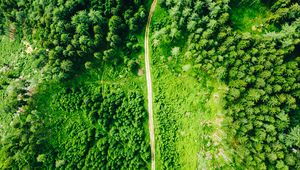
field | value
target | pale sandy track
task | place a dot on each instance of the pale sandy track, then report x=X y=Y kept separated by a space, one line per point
x=149 y=86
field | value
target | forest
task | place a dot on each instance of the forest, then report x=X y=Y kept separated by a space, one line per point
x=77 y=126
x=226 y=84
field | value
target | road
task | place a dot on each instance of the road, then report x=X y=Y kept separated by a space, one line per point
x=149 y=86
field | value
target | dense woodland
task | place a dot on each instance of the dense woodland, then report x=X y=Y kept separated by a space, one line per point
x=68 y=37
x=76 y=31
x=112 y=138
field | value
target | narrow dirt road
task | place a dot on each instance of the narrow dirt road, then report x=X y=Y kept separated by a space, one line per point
x=149 y=86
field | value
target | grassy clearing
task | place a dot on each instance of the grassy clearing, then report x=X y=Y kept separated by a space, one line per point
x=250 y=17
x=9 y=50
x=14 y=62
x=183 y=95
x=188 y=108
x=14 y=55
x=196 y=106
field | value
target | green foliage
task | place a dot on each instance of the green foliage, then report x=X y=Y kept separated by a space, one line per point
x=250 y=16
x=293 y=138
x=115 y=138
x=24 y=144
x=13 y=65
x=251 y=46
x=112 y=138
x=75 y=31
x=261 y=70
x=167 y=128
x=64 y=37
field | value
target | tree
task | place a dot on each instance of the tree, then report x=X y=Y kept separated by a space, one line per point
x=293 y=138
x=115 y=25
x=191 y=26
x=88 y=65
x=66 y=65
x=109 y=54
x=175 y=51
x=41 y=158
x=254 y=94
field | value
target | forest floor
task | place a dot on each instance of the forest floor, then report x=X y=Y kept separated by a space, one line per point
x=149 y=86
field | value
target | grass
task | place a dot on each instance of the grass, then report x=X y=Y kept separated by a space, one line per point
x=183 y=94
x=9 y=50
x=6 y=49
x=195 y=102
x=13 y=54
x=10 y=55
x=250 y=17
x=197 y=106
